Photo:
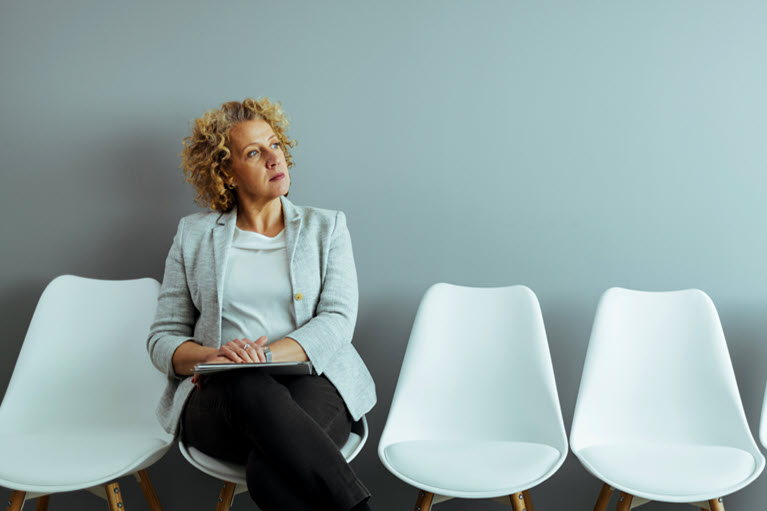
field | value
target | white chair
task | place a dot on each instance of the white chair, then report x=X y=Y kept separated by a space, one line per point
x=658 y=414
x=233 y=474
x=475 y=413
x=763 y=422
x=79 y=409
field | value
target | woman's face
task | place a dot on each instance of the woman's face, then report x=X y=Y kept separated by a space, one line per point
x=259 y=170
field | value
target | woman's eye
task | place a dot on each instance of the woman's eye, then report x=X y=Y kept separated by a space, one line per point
x=252 y=153
x=276 y=145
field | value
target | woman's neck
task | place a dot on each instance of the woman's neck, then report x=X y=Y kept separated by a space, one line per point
x=266 y=219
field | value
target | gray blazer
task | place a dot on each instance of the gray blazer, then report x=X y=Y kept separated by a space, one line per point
x=324 y=282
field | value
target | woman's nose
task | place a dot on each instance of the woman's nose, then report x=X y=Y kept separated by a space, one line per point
x=271 y=158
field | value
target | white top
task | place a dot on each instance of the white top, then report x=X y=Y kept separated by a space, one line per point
x=258 y=297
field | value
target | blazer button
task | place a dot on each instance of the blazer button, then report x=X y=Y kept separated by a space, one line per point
x=299 y=296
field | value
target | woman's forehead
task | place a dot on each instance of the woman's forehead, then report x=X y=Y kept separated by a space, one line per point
x=251 y=132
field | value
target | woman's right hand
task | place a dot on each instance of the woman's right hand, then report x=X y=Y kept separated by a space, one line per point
x=214 y=357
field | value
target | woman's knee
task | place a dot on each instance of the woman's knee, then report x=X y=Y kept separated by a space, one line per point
x=254 y=383
x=254 y=392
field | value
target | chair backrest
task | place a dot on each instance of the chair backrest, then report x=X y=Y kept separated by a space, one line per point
x=84 y=362
x=657 y=370
x=763 y=422
x=477 y=366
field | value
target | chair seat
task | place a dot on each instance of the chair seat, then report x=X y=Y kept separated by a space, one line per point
x=669 y=472
x=67 y=462
x=459 y=468
x=234 y=472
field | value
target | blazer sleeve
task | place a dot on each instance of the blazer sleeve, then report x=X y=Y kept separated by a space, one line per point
x=175 y=314
x=332 y=326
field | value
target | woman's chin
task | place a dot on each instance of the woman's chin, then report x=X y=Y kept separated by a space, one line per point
x=283 y=187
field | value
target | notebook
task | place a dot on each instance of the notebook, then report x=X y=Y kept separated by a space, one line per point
x=272 y=367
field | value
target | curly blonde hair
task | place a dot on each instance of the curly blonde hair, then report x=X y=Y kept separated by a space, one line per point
x=206 y=158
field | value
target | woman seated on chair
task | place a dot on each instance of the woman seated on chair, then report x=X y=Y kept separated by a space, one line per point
x=256 y=280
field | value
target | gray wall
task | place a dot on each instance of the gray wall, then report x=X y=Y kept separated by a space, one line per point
x=569 y=146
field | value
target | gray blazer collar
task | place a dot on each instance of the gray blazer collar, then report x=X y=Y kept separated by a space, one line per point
x=292 y=215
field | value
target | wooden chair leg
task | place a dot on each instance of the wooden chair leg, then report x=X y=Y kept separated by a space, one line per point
x=225 y=497
x=423 y=502
x=16 y=501
x=148 y=489
x=716 y=504
x=528 y=500
x=114 y=496
x=604 y=497
x=624 y=501
x=517 y=501
x=42 y=503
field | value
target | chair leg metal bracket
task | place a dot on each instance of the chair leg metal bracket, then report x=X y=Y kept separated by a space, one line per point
x=114 y=496
x=423 y=502
x=226 y=497
x=716 y=504
x=517 y=501
x=624 y=501
x=16 y=501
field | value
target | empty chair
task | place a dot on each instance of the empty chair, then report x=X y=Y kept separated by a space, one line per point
x=763 y=422
x=233 y=475
x=475 y=413
x=658 y=414
x=79 y=409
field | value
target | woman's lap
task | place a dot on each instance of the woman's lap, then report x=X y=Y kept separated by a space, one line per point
x=212 y=423
x=287 y=430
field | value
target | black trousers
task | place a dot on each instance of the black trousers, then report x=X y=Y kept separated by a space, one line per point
x=287 y=430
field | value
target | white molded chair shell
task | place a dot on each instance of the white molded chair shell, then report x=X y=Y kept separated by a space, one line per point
x=763 y=422
x=658 y=413
x=235 y=473
x=475 y=413
x=79 y=409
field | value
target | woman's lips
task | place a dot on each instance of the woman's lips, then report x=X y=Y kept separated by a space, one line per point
x=277 y=177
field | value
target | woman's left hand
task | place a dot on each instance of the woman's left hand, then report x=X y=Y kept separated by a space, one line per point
x=245 y=350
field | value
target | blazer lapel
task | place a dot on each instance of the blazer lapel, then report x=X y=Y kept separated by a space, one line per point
x=223 y=234
x=292 y=230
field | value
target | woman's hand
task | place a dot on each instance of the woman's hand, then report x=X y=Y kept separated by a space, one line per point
x=237 y=351
x=244 y=350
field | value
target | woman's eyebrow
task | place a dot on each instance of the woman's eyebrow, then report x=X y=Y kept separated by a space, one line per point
x=252 y=143
x=257 y=141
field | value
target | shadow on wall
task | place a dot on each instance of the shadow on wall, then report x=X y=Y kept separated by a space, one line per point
x=149 y=197
x=18 y=304
x=743 y=326
x=115 y=219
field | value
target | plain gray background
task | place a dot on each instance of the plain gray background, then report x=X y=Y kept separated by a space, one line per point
x=568 y=146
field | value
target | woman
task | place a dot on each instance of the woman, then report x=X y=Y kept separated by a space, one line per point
x=260 y=279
